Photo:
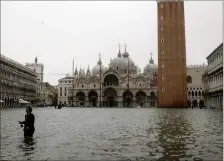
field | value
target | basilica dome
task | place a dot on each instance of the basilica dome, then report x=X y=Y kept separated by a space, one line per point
x=121 y=63
x=151 y=67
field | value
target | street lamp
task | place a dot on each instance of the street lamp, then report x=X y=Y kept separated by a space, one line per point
x=100 y=76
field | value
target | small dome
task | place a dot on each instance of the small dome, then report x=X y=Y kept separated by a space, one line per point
x=151 y=67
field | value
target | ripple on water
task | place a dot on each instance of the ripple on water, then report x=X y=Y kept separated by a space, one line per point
x=115 y=134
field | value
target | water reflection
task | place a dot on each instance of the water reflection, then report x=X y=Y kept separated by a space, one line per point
x=113 y=134
x=28 y=146
x=173 y=131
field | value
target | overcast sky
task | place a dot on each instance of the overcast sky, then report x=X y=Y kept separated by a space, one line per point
x=56 y=32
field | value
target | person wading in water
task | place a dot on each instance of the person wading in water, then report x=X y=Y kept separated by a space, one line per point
x=28 y=123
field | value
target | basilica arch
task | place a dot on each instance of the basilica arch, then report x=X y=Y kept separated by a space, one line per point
x=110 y=97
x=80 y=98
x=110 y=80
x=92 y=95
x=140 y=98
x=127 y=98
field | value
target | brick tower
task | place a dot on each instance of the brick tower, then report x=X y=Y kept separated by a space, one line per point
x=172 y=79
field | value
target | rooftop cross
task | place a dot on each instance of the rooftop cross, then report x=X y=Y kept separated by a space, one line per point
x=125 y=46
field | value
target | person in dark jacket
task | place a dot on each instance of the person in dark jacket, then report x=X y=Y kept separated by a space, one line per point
x=28 y=123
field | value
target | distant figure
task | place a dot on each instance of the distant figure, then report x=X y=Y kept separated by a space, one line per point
x=60 y=105
x=28 y=123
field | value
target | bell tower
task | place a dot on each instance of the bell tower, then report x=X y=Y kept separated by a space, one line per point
x=172 y=83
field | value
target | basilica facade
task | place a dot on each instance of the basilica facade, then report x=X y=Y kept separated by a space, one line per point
x=121 y=84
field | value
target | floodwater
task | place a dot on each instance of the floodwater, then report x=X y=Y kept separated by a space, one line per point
x=114 y=134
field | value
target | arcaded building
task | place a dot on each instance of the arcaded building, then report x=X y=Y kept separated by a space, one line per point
x=172 y=83
x=195 y=85
x=121 y=84
x=17 y=82
x=213 y=78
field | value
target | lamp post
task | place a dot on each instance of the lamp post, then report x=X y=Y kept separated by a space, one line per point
x=128 y=85
x=100 y=76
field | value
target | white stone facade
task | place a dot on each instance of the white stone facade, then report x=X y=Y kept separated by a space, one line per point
x=17 y=82
x=121 y=84
x=64 y=86
x=195 y=86
x=213 y=78
x=38 y=68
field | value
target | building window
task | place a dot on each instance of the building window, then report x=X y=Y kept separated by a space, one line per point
x=161 y=5
x=199 y=93
x=117 y=68
x=140 y=85
x=60 y=81
x=162 y=40
x=94 y=85
x=189 y=79
x=189 y=93
x=82 y=86
x=65 y=81
x=69 y=81
x=162 y=29
x=162 y=52
x=161 y=17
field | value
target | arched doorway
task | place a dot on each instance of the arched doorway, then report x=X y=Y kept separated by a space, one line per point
x=201 y=103
x=189 y=79
x=110 y=96
x=153 y=99
x=110 y=80
x=93 y=98
x=195 y=103
x=189 y=103
x=127 y=98
x=80 y=98
x=140 y=98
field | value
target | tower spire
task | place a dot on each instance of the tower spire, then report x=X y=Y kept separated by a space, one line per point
x=36 y=60
x=119 y=53
x=125 y=54
x=73 y=67
x=125 y=47
x=151 y=60
x=76 y=70
x=99 y=62
x=88 y=71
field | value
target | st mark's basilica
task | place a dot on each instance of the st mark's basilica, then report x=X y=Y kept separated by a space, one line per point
x=121 y=84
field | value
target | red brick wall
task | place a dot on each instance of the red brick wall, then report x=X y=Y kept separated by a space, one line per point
x=171 y=28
